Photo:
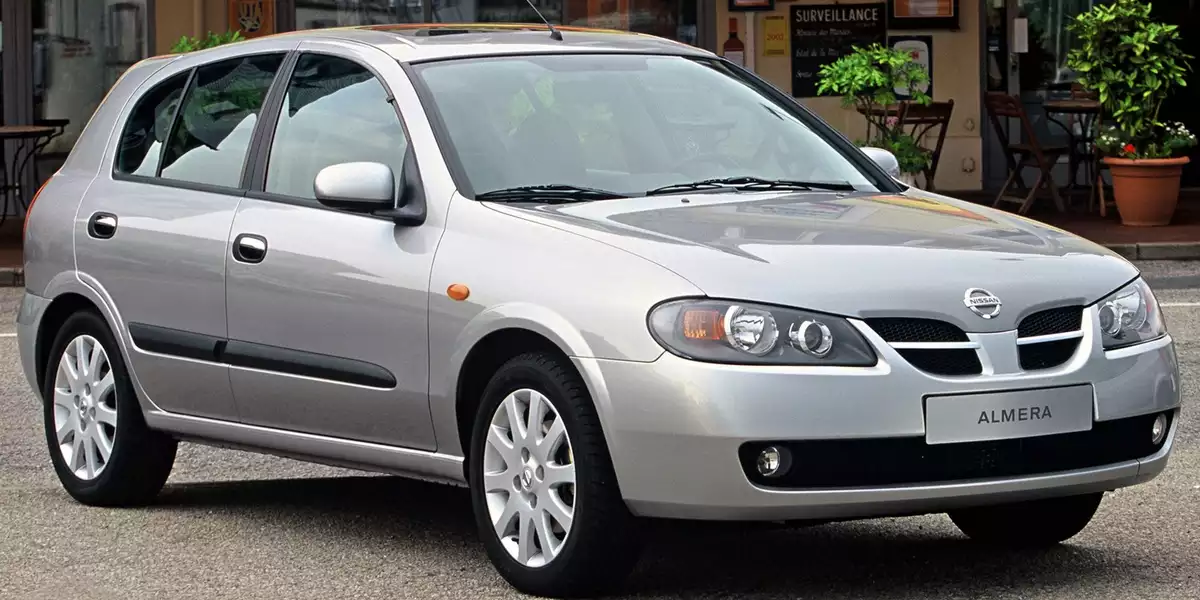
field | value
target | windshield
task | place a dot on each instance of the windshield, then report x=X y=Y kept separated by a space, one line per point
x=625 y=124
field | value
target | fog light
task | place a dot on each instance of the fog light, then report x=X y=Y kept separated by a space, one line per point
x=1158 y=431
x=773 y=461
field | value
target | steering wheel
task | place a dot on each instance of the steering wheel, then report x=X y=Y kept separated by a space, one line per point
x=691 y=164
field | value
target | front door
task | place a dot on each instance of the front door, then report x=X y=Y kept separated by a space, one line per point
x=328 y=330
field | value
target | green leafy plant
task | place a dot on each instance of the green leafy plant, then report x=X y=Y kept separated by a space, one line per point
x=1133 y=63
x=867 y=79
x=1175 y=140
x=191 y=44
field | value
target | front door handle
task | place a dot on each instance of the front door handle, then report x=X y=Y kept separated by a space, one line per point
x=250 y=248
x=102 y=225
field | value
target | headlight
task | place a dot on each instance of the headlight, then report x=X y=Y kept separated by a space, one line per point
x=745 y=333
x=1130 y=316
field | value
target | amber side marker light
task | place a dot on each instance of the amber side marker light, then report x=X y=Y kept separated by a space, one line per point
x=703 y=325
x=458 y=291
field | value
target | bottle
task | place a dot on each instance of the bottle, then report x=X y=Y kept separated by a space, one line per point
x=734 y=50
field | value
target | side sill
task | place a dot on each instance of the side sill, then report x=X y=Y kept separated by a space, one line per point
x=366 y=456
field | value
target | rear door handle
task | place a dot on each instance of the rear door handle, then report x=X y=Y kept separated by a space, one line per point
x=250 y=248
x=102 y=225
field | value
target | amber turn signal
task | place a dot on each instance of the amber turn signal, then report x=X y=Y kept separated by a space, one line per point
x=458 y=291
x=703 y=325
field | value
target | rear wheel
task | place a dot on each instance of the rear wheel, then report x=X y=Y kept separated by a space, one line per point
x=102 y=450
x=1028 y=524
x=542 y=484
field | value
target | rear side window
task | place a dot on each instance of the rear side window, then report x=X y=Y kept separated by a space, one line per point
x=335 y=111
x=148 y=126
x=211 y=135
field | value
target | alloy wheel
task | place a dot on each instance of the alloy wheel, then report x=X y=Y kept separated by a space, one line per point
x=85 y=407
x=529 y=478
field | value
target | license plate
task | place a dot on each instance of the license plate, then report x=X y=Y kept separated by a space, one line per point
x=1007 y=415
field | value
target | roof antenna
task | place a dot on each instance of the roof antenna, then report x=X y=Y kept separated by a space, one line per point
x=554 y=33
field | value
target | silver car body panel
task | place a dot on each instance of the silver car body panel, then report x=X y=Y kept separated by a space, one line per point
x=583 y=276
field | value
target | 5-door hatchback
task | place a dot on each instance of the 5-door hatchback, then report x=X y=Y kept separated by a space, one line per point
x=595 y=279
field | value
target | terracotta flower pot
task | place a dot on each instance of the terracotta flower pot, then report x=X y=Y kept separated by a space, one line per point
x=1146 y=190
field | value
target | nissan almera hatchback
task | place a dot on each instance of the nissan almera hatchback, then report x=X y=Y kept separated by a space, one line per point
x=594 y=279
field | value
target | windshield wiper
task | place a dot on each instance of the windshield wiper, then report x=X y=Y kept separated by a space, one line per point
x=549 y=193
x=753 y=184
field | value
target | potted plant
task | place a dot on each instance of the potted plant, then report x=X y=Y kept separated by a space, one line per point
x=1134 y=63
x=867 y=80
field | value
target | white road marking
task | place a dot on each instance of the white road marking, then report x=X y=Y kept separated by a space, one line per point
x=8 y=334
x=1180 y=304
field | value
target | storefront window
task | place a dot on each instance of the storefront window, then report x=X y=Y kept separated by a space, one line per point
x=318 y=14
x=674 y=19
x=80 y=48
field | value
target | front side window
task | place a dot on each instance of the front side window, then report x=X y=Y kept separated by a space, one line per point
x=212 y=132
x=147 y=127
x=621 y=123
x=335 y=111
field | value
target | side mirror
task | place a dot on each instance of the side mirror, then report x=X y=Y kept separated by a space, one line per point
x=886 y=161
x=356 y=186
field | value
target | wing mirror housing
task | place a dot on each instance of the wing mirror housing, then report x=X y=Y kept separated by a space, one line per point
x=886 y=161
x=370 y=187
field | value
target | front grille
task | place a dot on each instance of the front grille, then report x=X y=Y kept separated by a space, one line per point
x=1049 y=322
x=894 y=330
x=1047 y=355
x=898 y=461
x=944 y=362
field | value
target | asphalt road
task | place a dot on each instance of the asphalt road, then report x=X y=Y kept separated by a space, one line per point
x=238 y=525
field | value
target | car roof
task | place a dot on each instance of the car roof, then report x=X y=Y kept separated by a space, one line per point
x=433 y=41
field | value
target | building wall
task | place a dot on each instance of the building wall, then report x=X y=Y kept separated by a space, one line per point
x=177 y=18
x=956 y=76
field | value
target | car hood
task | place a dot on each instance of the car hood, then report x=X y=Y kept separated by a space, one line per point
x=853 y=254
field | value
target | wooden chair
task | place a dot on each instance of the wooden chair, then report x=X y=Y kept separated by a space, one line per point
x=1022 y=155
x=922 y=119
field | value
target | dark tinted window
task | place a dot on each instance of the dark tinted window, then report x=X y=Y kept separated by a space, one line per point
x=147 y=127
x=213 y=130
x=335 y=111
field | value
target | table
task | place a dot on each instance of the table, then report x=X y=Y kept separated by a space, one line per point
x=1088 y=113
x=29 y=140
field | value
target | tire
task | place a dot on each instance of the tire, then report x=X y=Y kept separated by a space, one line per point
x=139 y=459
x=1039 y=523
x=601 y=547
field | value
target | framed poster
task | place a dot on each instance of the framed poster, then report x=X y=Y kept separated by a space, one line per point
x=823 y=33
x=920 y=47
x=751 y=5
x=923 y=14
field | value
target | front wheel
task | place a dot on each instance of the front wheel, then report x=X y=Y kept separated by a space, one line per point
x=1028 y=524
x=542 y=484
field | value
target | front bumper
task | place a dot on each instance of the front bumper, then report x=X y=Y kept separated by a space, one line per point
x=675 y=428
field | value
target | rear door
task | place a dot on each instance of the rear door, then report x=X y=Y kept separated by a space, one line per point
x=327 y=309
x=152 y=233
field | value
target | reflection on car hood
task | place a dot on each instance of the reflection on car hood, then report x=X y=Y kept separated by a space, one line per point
x=853 y=254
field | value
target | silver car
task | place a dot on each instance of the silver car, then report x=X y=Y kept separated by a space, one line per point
x=593 y=279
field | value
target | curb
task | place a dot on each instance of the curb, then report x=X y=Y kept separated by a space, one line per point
x=12 y=277
x=1158 y=250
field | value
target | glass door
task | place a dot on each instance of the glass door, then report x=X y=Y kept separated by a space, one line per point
x=1025 y=54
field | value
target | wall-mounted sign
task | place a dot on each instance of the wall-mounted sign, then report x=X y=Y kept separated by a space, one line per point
x=920 y=47
x=775 y=35
x=821 y=34
x=751 y=5
x=923 y=14
x=255 y=18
